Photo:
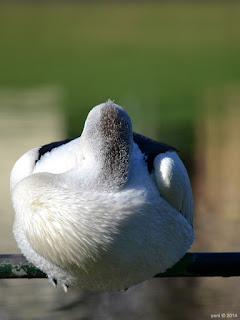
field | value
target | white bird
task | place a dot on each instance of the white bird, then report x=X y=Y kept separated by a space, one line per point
x=103 y=211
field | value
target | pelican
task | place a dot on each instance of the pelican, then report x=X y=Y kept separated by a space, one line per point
x=104 y=211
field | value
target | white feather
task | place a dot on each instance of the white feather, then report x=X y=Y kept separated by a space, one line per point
x=83 y=232
x=173 y=183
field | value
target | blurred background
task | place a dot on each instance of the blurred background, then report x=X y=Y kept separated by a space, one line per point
x=175 y=68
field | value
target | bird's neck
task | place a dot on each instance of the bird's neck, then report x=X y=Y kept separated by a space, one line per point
x=113 y=167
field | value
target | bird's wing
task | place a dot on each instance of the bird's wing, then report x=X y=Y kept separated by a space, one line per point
x=173 y=183
x=50 y=146
x=170 y=173
x=31 y=162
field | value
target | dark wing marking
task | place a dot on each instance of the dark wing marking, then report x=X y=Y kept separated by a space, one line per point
x=150 y=148
x=50 y=146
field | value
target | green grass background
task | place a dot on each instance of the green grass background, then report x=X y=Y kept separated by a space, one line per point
x=155 y=59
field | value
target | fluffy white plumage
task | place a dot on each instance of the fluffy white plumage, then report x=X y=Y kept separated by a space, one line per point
x=92 y=212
